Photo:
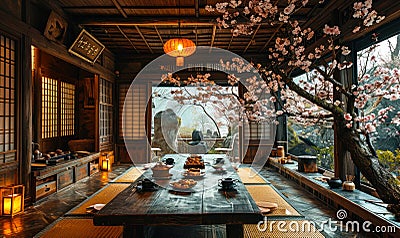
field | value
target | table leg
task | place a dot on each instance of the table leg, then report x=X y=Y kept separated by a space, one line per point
x=133 y=231
x=234 y=231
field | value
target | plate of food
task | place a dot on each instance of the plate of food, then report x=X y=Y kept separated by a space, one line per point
x=194 y=161
x=184 y=185
x=194 y=173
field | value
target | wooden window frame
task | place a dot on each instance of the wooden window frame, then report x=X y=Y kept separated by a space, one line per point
x=60 y=126
x=106 y=108
x=9 y=99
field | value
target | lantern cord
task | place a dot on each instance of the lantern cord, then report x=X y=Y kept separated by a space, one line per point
x=179 y=18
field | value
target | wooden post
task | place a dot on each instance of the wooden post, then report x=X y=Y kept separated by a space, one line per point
x=25 y=134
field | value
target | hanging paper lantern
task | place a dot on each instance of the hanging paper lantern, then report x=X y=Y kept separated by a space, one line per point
x=179 y=48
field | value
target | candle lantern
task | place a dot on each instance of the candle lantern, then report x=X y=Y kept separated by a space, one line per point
x=106 y=160
x=106 y=165
x=12 y=200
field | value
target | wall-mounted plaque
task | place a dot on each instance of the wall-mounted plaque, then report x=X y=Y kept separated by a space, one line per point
x=56 y=28
x=86 y=47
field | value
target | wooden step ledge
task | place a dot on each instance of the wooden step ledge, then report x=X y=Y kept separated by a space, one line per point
x=79 y=228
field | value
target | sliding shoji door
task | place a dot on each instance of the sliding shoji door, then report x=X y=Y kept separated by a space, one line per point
x=134 y=127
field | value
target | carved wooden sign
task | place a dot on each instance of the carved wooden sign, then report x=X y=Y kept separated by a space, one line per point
x=86 y=47
x=56 y=28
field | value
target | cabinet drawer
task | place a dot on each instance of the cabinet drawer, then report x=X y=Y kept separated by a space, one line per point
x=46 y=189
x=81 y=172
x=93 y=168
x=65 y=178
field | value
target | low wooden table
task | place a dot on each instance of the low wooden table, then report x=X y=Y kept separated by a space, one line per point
x=205 y=206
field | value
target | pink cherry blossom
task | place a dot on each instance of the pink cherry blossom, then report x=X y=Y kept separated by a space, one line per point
x=348 y=117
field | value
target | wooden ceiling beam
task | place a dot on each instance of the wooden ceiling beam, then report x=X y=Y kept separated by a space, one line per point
x=214 y=30
x=118 y=6
x=144 y=39
x=144 y=21
x=159 y=36
x=252 y=38
x=126 y=37
x=127 y=7
x=148 y=21
x=230 y=42
x=195 y=32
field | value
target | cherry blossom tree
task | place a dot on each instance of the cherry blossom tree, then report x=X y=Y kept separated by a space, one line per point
x=327 y=93
x=330 y=93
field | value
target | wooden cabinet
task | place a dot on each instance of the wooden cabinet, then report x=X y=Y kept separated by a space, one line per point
x=55 y=177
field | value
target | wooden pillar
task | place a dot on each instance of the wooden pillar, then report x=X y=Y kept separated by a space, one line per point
x=26 y=97
x=281 y=136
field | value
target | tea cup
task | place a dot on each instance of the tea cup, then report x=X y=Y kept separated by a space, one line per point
x=169 y=161
x=146 y=184
x=227 y=183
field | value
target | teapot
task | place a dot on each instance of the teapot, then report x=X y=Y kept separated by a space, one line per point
x=37 y=154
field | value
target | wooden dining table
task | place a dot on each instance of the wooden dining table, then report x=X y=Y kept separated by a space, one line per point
x=204 y=204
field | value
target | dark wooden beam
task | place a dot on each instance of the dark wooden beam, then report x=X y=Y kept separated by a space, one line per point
x=195 y=31
x=230 y=42
x=111 y=7
x=256 y=57
x=185 y=20
x=214 y=30
x=25 y=135
x=149 y=21
x=118 y=6
x=159 y=36
x=144 y=39
x=252 y=38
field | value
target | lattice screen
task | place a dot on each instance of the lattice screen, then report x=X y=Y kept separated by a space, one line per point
x=135 y=109
x=49 y=107
x=106 y=113
x=7 y=99
x=67 y=109
x=58 y=108
x=258 y=130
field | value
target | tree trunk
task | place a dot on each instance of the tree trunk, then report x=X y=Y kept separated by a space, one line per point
x=386 y=185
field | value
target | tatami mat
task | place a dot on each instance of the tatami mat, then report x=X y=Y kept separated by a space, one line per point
x=103 y=196
x=249 y=176
x=266 y=193
x=129 y=177
x=288 y=229
x=80 y=228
